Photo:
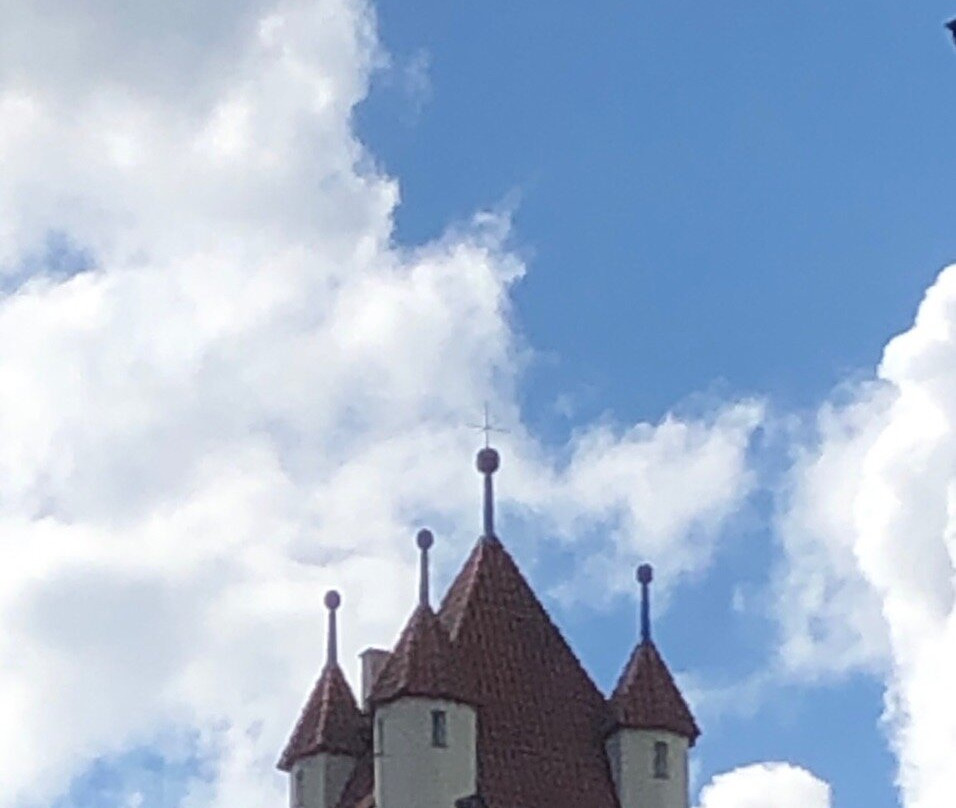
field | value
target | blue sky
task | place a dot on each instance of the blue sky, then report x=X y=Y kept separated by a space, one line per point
x=708 y=185
x=723 y=199
x=261 y=261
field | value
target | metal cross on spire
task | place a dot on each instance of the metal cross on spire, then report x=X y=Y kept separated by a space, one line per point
x=488 y=462
x=487 y=427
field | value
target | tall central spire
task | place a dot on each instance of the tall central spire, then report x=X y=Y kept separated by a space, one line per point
x=488 y=462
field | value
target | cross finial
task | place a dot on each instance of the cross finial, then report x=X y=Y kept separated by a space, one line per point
x=487 y=427
x=488 y=462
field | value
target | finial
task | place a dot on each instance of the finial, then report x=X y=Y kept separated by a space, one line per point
x=332 y=602
x=487 y=427
x=488 y=462
x=424 y=540
x=645 y=574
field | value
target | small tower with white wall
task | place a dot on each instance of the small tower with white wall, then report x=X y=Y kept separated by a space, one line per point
x=329 y=735
x=647 y=744
x=424 y=731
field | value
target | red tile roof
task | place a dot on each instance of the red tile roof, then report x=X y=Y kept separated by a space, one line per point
x=331 y=722
x=422 y=664
x=540 y=717
x=646 y=696
x=541 y=720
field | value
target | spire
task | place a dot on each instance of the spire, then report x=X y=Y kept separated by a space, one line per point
x=423 y=662
x=646 y=696
x=645 y=574
x=332 y=602
x=488 y=462
x=425 y=540
x=330 y=722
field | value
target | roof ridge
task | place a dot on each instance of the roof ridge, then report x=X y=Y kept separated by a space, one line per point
x=461 y=588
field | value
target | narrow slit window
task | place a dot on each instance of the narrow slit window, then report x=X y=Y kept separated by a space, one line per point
x=439 y=728
x=660 y=760
x=379 y=744
x=298 y=786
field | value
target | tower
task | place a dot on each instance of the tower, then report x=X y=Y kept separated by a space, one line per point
x=424 y=730
x=329 y=735
x=652 y=727
x=482 y=703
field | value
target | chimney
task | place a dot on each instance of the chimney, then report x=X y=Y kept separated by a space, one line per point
x=373 y=660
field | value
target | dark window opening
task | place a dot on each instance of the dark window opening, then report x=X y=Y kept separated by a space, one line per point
x=299 y=787
x=379 y=739
x=660 y=760
x=439 y=728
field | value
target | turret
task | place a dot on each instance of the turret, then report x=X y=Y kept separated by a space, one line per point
x=652 y=727
x=329 y=735
x=424 y=729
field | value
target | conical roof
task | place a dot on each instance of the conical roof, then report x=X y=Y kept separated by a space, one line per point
x=541 y=718
x=422 y=664
x=330 y=722
x=646 y=696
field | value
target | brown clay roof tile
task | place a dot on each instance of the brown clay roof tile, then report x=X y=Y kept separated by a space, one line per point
x=541 y=720
x=422 y=664
x=331 y=722
x=540 y=717
x=646 y=696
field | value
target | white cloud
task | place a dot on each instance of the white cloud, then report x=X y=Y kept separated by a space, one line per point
x=252 y=395
x=766 y=785
x=884 y=473
x=648 y=491
x=830 y=616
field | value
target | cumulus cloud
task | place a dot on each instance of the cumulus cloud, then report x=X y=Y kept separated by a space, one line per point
x=224 y=388
x=883 y=476
x=656 y=490
x=766 y=785
x=830 y=617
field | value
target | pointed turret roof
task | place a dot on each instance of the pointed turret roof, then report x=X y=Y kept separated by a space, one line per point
x=540 y=736
x=422 y=664
x=646 y=696
x=331 y=721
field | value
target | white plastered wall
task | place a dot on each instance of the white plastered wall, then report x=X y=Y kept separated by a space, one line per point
x=409 y=771
x=317 y=781
x=631 y=755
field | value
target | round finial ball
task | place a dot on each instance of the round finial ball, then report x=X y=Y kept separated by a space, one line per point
x=424 y=539
x=645 y=573
x=332 y=600
x=488 y=461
